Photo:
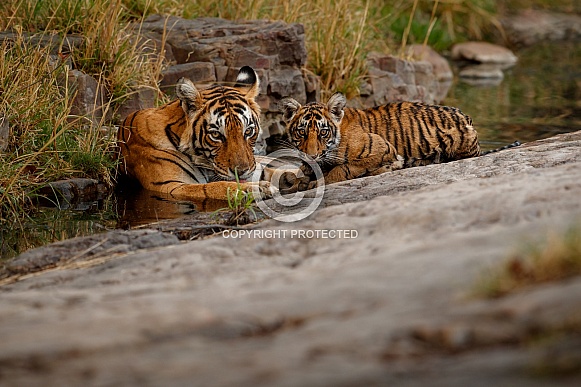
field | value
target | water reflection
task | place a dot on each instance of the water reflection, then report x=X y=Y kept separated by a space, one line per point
x=137 y=207
x=539 y=97
x=51 y=224
x=126 y=209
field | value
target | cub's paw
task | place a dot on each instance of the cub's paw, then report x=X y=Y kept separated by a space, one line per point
x=263 y=188
x=291 y=182
x=397 y=164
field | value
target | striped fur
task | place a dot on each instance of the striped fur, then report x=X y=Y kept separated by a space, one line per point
x=350 y=143
x=195 y=146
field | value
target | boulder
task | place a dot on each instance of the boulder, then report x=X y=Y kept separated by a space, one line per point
x=440 y=65
x=481 y=74
x=91 y=97
x=392 y=79
x=197 y=72
x=259 y=43
x=532 y=26
x=141 y=98
x=483 y=52
x=66 y=193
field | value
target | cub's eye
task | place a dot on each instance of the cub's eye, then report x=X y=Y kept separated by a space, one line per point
x=325 y=132
x=249 y=132
x=215 y=135
x=301 y=132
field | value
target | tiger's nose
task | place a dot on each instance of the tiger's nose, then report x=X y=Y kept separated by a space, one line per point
x=243 y=171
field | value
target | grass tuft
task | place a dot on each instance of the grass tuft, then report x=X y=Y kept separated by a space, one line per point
x=240 y=203
x=557 y=258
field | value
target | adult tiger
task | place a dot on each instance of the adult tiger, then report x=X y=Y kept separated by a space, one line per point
x=349 y=143
x=196 y=146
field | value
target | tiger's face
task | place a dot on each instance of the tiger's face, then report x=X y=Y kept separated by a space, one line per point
x=223 y=124
x=314 y=127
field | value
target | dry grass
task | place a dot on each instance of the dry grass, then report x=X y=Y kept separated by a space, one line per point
x=339 y=34
x=556 y=258
x=46 y=142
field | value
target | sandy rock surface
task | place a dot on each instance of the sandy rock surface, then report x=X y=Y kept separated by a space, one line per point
x=388 y=303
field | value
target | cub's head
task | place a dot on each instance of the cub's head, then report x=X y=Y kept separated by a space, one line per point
x=223 y=124
x=314 y=128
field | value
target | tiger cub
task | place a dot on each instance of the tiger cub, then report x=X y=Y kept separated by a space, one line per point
x=349 y=143
x=196 y=146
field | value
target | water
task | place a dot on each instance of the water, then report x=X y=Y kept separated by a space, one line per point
x=538 y=98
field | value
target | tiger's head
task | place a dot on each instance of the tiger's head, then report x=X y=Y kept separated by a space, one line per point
x=314 y=127
x=223 y=124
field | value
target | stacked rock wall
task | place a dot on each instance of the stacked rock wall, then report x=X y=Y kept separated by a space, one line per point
x=209 y=50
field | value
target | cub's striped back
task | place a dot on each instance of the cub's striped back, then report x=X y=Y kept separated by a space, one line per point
x=422 y=134
x=350 y=143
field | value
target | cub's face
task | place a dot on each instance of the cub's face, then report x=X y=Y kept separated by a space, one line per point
x=224 y=124
x=314 y=128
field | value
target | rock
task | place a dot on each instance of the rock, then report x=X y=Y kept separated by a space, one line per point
x=197 y=72
x=263 y=305
x=260 y=43
x=92 y=247
x=142 y=98
x=4 y=133
x=481 y=74
x=440 y=65
x=90 y=98
x=65 y=193
x=482 y=71
x=483 y=52
x=532 y=26
x=56 y=43
x=287 y=81
x=392 y=79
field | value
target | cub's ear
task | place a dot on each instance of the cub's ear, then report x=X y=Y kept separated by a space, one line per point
x=189 y=96
x=247 y=81
x=335 y=105
x=288 y=107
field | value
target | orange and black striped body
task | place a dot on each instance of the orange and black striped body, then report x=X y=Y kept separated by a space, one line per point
x=422 y=134
x=349 y=143
x=196 y=146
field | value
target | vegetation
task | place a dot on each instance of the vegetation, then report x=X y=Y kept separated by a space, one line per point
x=556 y=258
x=240 y=205
x=47 y=142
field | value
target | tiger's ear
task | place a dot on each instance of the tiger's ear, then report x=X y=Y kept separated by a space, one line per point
x=335 y=105
x=189 y=96
x=288 y=107
x=247 y=81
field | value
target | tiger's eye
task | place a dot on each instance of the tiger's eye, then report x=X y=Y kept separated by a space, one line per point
x=249 y=132
x=215 y=135
x=324 y=132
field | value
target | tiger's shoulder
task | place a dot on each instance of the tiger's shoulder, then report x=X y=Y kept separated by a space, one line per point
x=161 y=127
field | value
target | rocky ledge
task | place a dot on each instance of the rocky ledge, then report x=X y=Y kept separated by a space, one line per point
x=388 y=303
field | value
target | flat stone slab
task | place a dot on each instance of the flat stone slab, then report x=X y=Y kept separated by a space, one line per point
x=391 y=304
x=483 y=52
